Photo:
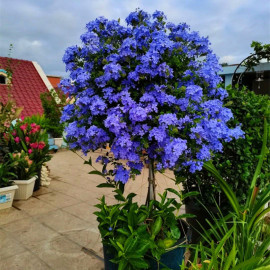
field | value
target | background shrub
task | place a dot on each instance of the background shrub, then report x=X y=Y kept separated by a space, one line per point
x=239 y=158
x=53 y=111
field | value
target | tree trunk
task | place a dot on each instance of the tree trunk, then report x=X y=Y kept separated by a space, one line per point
x=151 y=195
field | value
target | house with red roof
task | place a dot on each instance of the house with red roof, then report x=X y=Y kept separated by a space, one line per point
x=27 y=82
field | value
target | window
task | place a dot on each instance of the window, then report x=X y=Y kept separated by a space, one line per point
x=3 y=77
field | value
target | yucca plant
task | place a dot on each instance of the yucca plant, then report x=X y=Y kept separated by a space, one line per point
x=236 y=241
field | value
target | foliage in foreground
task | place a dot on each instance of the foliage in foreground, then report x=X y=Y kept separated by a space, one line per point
x=238 y=241
x=134 y=234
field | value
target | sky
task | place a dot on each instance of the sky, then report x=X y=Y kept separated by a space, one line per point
x=41 y=30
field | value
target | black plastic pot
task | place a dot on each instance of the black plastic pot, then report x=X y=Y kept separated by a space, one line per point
x=38 y=181
x=201 y=216
x=172 y=259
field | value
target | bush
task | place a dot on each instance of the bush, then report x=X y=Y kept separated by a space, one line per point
x=53 y=111
x=239 y=157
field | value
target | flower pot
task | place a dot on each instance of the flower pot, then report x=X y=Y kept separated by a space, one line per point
x=202 y=215
x=174 y=256
x=25 y=188
x=38 y=181
x=58 y=142
x=7 y=196
x=172 y=259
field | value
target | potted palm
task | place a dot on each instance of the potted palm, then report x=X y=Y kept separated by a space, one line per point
x=7 y=187
x=149 y=91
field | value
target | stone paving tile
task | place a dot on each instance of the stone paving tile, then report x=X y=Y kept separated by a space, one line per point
x=88 y=238
x=56 y=228
x=28 y=231
x=83 y=211
x=11 y=215
x=62 y=254
x=58 y=199
x=9 y=246
x=34 y=206
x=62 y=221
x=41 y=191
x=72 y=191
x=23 y=261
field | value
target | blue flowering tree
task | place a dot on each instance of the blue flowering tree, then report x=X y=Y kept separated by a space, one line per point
x=149 y=87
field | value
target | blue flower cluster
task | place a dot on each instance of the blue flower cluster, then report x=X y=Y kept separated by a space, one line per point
x=149 y=87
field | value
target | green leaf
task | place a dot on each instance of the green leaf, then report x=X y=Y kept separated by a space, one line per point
x=139 y=263
x=123 y=231
x=89 y=162
x=96 y=172
x=190 y=194
x=156 y=227
x=105 y=185
x=175 y=232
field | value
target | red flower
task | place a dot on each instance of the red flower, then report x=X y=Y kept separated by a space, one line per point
x=41 y=145
x=23 y=127
x=30 y=151
x=27 y=139
x=35 y=128
x=34 y=145
x=17 y=139
x=14 y=133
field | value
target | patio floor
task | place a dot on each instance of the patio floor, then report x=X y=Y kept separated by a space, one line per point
x=56 y=228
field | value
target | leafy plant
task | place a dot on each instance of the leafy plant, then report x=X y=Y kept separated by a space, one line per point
x=28 y=137
x=237 y=240
x=149 y=90
x=6 y=174
x=239 y=157
x=135 y=234
x=23 y=168
x=53 y=110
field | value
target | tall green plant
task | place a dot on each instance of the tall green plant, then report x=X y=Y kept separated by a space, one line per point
x=53 y=111
x=239 y=157
x=238 y=241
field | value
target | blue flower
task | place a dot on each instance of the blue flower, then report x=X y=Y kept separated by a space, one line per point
x=130 y=91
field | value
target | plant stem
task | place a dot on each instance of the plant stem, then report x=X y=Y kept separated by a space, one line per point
x=151 y=195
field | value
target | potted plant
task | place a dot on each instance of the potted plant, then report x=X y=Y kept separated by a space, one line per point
x=28 y=137
x=236 y=161
x=53 y=103
x=150 y=91
x=237 y=240
x=7 y=187
x=26 y=174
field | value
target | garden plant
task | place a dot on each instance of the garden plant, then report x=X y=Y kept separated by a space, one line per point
x=52 y=111
x=150 y=91
x=238 y=240
x=238 y=158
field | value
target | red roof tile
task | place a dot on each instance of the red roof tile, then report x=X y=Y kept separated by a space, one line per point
x=26 y=85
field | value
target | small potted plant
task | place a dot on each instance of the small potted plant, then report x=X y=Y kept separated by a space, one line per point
x=28 y=138
x=7 y=187
x=26 y=174
x=150 y=91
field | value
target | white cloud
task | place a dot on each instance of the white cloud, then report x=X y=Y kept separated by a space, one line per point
x=42 y=30
x=229 y=59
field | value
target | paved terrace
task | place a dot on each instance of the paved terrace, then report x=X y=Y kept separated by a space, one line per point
x=56 y=228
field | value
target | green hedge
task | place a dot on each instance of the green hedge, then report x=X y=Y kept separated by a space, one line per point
x=239 y=158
